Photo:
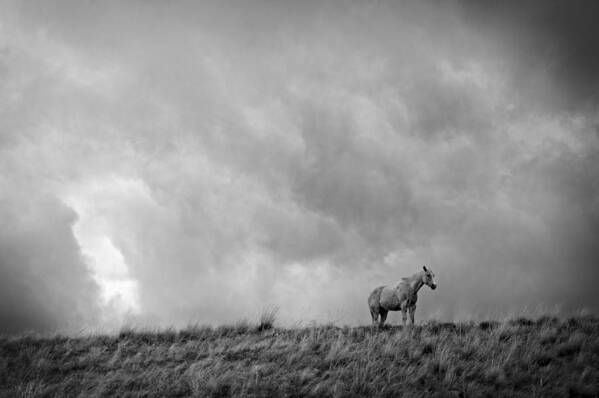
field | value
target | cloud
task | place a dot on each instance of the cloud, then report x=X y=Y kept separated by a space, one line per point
x=45 y=284
x=226 y=160
x=550 y=46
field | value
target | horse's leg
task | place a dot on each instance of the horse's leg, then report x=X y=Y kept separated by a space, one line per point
x=412 y=311
x=404 y=316
x=383 y=316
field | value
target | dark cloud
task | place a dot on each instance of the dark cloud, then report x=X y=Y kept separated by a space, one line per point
x=45 y=284
x=552 y=47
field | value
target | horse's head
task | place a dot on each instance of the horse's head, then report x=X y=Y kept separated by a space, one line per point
x=428 y=278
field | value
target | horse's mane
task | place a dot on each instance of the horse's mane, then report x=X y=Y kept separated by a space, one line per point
x=410 y=278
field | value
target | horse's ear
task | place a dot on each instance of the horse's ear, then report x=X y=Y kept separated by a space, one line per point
x=424 y=268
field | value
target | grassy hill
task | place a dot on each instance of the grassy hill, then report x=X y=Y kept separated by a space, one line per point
x=544 y=357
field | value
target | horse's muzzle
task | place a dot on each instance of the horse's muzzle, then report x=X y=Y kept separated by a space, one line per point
x=434 y=286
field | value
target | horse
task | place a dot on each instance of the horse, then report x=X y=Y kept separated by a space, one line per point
x=401 y=297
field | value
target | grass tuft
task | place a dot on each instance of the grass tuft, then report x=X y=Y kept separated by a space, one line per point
x=267 y=319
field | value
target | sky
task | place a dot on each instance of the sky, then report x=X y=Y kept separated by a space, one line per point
x=167 y=163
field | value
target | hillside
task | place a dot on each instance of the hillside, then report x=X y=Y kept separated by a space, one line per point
x=544 y=357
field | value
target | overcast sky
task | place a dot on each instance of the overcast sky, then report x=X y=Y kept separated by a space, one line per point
x=167 y=163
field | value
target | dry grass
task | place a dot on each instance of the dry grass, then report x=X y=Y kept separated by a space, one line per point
x=267 y=319
x=545 y=357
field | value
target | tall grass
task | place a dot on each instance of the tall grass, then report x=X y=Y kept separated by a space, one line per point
x=520 y=357
x=268 y=318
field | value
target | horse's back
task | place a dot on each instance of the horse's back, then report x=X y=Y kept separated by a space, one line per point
x=389 y=298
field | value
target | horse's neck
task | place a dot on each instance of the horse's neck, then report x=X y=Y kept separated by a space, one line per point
x=415 y=282
x=416 y=285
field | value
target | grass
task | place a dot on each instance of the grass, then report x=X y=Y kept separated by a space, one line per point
x=267 y=319
x=520 y=357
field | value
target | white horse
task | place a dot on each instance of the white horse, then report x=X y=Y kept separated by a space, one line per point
x=401 y=297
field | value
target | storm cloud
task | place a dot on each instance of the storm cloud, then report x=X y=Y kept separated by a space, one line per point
x=174 y=163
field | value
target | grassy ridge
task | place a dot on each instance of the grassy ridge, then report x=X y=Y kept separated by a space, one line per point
x=545 y=357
